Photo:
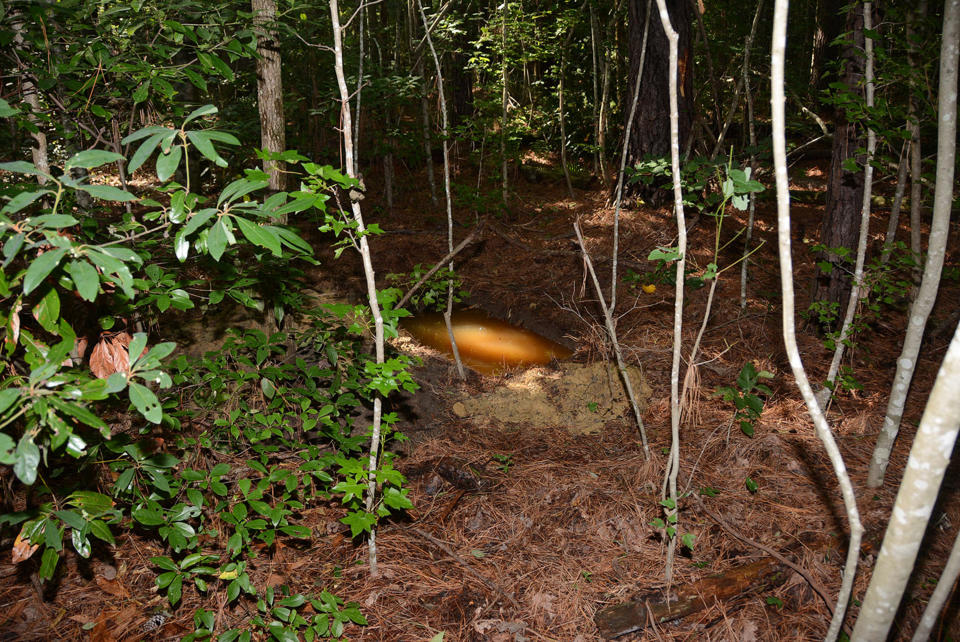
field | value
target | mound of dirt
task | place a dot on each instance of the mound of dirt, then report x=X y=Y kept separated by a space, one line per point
x=579 y=397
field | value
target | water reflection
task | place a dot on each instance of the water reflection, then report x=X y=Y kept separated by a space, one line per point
x=487 y=345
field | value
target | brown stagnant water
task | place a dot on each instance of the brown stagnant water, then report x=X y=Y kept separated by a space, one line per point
x=487 y=345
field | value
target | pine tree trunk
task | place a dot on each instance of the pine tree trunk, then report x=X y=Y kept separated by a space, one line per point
x=269 y=89
x=841 y=217
x=650 y=135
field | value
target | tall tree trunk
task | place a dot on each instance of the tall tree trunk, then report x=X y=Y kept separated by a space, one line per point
x=936 y=246
x=650 y=135
x=28 y=91
x=270 y=89
x=504 y=98
x=424 y=106
x=916 y=156
x=855 y=291
x=841 y=217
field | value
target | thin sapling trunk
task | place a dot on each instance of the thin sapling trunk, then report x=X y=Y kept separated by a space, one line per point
x=778 y=117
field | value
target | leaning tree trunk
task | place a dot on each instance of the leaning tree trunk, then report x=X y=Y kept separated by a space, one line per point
x=269 y=89
x=651 y=127
x=841 y=217
x=936 y=249
x=930 y=454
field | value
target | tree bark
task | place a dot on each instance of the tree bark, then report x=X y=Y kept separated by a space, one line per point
x=651 y=128
x=28 y=92
x=936 y=246
x=841 y=216
x=269 y=89
x=857 y=284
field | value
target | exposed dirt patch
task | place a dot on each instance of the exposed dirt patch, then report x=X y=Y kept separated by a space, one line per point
x=581 y=398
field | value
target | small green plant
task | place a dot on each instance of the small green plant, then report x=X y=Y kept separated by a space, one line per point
x=745 y=396
x=668 y=526
x=432 y=295
x=774 y=601
x=751 y=485
x=505 y=461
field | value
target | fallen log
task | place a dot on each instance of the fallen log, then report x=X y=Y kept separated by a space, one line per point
x=621 y=619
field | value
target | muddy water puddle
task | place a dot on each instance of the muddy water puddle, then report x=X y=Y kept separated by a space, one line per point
x=487 y=345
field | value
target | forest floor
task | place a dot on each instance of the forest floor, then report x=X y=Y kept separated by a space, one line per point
x=526 y=530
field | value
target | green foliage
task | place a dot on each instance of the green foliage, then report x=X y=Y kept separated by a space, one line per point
x=668 y=524
x=432 y=295
x=885 y=287
x=745 y=396
x=293 y=397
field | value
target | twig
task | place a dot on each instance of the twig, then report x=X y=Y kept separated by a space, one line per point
x=440 y=263
x=817 y=588
x=612 y=335
x=443 y=546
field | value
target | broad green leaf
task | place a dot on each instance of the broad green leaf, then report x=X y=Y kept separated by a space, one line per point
x=91 y=158
x=145 y=149
x=195 y=79
x=28 y=460
x=108 y=193
x=205 y=110
x=71 y=518
x=6 y=111
x=53 y=221
x=101 y=531
x=48 y=563
x=223 y=137
x=146 y=402
x=85 y=278
x=217 y=239
x=263 y=236
x=167 y=163
x=7 y=446
x=202 y=142
x=136 y=347
x=47 y=311
x=198 y=219
x=7 y=397
x=239 y=188
x=175 y=590
x=22 y=200
x=143 y=133
x=41 y=267
x=115 y=383
x=22 y=167
x=79 y=412
x=140 y=93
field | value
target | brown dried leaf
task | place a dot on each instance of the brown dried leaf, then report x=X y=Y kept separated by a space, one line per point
x=80 y=347
x=22 y=549
x=13 y=325
x=123 y=338
x=103 y=631
x=119 y=355
x=101 y=360
x=112 y=587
